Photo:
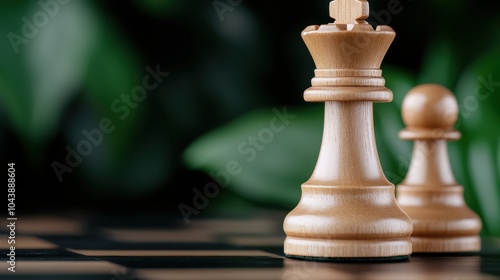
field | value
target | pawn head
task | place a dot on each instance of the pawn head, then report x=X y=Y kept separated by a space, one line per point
x=430 y=106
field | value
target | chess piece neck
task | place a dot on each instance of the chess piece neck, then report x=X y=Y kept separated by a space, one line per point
x=348 y=144
x=430 y=165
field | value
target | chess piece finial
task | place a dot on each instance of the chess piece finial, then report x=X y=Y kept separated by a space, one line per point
x=349 y=11
x=348 y=209
x=429 y=194
x=430 y=111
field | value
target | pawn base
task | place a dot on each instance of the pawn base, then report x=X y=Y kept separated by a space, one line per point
x=442 y=222
x=446 y=244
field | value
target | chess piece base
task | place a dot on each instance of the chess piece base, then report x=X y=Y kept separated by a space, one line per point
x=333 y=222
x=446 y=244
x=442 y=222
x=398 y=248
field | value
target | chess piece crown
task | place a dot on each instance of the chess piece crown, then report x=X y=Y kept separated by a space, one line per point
x=348 y=54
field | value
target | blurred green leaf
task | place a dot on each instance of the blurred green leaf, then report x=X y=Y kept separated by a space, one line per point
x=114 y=70
x=126 y=162
x=441 y=63
x=15 y=90
x=48 y=68
x=273 y=169
x=478 y=99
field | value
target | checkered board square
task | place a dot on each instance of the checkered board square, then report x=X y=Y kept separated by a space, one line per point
x=132 y=247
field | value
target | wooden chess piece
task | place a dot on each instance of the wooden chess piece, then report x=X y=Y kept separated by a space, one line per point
x=348 y=209
x=429 y=194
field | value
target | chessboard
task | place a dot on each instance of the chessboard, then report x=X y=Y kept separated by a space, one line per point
x=150 y=247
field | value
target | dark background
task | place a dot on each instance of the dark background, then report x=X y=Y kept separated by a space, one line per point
x=220 y=69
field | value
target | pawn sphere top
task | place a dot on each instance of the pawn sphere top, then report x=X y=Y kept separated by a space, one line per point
x=430 y=107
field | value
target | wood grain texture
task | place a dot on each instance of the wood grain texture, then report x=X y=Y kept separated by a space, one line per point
x=348 y=208
x=349 y=11
x=429 y=194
